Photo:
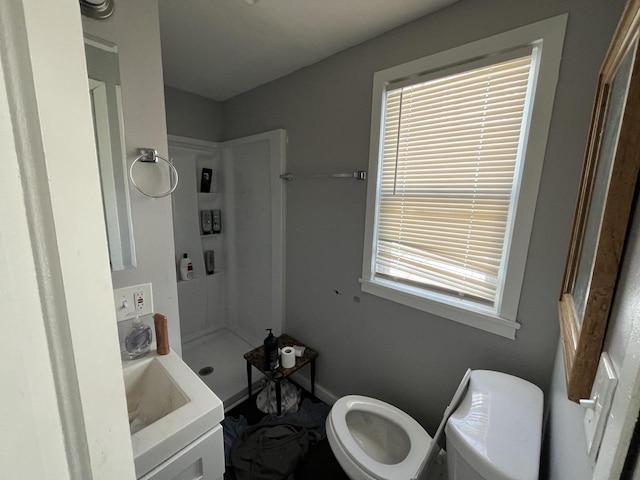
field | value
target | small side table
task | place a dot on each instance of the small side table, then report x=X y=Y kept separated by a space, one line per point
x=255 y=358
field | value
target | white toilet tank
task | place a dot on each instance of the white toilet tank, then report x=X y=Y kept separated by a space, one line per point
x=496 y=431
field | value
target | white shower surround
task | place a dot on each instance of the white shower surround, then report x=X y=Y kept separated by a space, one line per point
x=238 y=298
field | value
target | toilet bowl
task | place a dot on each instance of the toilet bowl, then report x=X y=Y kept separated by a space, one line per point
x=374 y=440
x=494 y=433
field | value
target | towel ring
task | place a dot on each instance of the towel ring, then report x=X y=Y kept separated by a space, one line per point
x=150 y=155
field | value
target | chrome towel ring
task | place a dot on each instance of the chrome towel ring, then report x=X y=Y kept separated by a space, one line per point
x=150 y=155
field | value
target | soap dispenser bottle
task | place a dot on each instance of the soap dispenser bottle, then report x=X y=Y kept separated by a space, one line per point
x=270 y=351
x=138 y=340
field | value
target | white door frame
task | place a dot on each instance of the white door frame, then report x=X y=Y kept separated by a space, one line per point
x=63 y=404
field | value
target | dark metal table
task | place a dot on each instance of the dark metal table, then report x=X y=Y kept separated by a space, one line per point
x=255 y=358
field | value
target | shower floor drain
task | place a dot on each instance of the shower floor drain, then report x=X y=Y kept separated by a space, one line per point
x=204 y=371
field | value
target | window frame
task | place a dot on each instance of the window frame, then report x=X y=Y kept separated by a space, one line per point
x=547 y=36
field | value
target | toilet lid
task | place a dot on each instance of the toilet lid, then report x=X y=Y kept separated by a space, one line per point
x=419 y=439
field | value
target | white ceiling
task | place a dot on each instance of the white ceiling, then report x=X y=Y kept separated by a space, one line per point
x=221 y=48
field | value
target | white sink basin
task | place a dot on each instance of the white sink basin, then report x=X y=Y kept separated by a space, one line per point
x=169 y=407
x=151 y=394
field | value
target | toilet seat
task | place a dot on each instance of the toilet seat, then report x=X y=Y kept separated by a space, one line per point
x=419 y=439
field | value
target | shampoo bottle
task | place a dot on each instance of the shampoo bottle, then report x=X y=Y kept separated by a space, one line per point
x=186 y=268
x=270 y=351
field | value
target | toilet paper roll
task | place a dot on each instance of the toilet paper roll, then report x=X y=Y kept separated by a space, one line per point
x=288 y=358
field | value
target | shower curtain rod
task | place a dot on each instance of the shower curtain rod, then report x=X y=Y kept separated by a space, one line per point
x=357 y=175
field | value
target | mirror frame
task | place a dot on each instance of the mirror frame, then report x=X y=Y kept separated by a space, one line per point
x=108 y=123
x=582 y=338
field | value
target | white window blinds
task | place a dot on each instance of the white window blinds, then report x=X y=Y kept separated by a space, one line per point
x=451 y=148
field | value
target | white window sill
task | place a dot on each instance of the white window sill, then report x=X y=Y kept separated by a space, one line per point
x=477 y=318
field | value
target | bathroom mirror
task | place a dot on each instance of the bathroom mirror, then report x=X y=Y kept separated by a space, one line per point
x=106 y=102
x=605 y=200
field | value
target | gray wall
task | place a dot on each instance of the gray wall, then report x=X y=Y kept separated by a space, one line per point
x=134 y=27
x=567 y=445
x=191 y=115
x=374 y=346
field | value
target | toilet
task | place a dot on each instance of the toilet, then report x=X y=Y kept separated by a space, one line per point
x=493 y=429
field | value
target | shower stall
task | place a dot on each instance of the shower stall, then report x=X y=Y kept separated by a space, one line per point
x=226 y=307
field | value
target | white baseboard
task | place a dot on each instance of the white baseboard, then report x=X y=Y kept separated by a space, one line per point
x=321 y=392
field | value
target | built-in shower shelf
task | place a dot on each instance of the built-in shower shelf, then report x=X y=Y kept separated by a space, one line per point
x=199 y=277
x=207 y=194
x=190 y=280
x=210 y=235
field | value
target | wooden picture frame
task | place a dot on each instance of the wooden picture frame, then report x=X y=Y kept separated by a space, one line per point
x=605 y=200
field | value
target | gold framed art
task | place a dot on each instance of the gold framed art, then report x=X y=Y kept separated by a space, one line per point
x=604 y=205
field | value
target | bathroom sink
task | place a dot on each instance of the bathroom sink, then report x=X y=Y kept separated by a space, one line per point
x=151 y=394
x=169 y=408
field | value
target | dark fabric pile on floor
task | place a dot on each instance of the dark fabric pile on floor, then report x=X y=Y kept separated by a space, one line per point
x=319 y=462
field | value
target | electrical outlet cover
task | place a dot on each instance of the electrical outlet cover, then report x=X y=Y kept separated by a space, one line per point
x=132 y=301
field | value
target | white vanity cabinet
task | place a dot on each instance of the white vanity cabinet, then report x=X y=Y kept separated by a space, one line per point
x=202 y=459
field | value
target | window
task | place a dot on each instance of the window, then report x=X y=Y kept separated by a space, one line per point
x=457 y=147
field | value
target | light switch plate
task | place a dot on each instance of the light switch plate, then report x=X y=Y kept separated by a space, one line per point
x=132 y=301
x=595 y=419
